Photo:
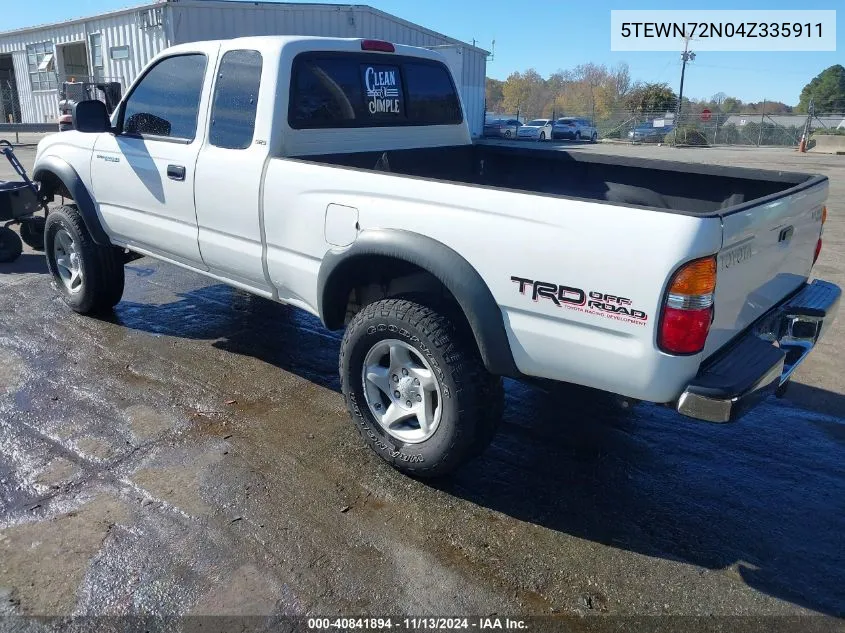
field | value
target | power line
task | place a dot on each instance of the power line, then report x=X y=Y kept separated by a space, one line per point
x=755 y=70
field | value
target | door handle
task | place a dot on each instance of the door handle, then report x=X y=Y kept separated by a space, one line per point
x=176 y=172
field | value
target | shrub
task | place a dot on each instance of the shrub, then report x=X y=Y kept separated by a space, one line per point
x=728 y=134
x=829 y=132
x=687 y=135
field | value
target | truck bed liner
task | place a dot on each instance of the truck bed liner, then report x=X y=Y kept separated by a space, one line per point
x=688 y=188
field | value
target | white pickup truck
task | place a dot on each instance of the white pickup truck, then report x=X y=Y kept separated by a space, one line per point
x=339 y=176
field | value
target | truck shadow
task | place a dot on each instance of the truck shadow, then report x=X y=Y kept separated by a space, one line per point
x=26 y=263
x=763 y=499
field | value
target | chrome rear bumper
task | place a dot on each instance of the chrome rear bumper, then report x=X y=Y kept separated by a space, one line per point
x=762 y=359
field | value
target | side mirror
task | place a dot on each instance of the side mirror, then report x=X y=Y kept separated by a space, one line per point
x=91 y=116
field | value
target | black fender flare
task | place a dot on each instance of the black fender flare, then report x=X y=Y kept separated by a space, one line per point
x=464 y=282
x=78 y=191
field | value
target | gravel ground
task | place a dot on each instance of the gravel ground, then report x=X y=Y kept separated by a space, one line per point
x=191 y=454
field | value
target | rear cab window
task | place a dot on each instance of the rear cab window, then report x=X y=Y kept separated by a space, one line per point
x=235 y=99
x=343 y=90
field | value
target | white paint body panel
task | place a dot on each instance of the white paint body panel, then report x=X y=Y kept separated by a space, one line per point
x=265 y=222
x=139 y=203
x=501 y=234
x=763 y=269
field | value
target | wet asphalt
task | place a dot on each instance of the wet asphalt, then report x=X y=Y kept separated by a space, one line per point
x=191 y=454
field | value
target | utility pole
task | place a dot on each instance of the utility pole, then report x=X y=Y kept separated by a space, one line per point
x=686 y=56
x=762 y=120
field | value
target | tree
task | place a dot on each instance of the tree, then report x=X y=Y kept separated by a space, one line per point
x=494 y=94
x=767 y=107
x=587 y=89
x=621 y=77
x=731 y=104
x=651 y=97
x=525 y=92
x=826 y=90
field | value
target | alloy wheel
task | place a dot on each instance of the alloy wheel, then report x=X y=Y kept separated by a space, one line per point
x=401 y=391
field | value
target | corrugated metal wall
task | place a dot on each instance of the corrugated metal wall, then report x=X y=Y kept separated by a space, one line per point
x=190 y=21
x=119 y=29
x=473 y=89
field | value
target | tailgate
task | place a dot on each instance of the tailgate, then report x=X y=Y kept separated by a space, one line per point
x=767 y=253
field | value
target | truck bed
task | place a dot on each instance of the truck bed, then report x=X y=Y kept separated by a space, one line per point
x=688 y=188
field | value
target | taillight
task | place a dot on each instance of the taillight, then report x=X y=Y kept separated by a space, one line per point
x=377 y=45
x=688 y=308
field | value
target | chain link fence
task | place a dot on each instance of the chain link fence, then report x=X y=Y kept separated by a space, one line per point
x=718 y=128
x=750 y=129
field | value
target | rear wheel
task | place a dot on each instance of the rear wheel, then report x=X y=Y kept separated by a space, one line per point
x=88 y=276
x=11 y=246
x=542 y=136
x=507 y=133
x=577 y=136
x=416 y=388
x=594 y=137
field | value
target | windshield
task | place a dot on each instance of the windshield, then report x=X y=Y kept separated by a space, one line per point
x=537 y=123
x=566 y=121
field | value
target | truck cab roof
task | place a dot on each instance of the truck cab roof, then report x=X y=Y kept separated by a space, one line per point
x=296 y=43
x=279 y=53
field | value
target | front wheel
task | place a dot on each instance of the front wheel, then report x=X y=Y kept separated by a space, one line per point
x=542 y=136
x=507 y=133
x=88 y=276
x=416 y=388
x=594 y=138
x=577 y=136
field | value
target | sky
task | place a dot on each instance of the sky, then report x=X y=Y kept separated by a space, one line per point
x=550 y=35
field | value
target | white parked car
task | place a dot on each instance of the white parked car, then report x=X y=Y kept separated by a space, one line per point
x=259 y=163
x=538 y=130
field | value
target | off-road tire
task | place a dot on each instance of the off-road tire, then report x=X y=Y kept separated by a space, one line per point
x=11 y=246
x=32 y=232
x=471 y=398
x=102 y=266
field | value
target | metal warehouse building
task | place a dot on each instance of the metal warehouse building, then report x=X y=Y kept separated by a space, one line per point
x=116 y=46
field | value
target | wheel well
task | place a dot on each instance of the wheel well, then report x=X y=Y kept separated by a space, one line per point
x=52 y=186
x=364 y=280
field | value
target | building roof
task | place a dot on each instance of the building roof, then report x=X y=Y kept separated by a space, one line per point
x=107 y=14
x=789 y=120
x=234 y=4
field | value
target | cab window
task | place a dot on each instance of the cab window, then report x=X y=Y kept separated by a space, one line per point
x=235 y=100
x=165 y=103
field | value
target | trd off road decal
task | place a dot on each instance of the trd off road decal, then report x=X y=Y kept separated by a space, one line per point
x=383 y=88
x=590 y=302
